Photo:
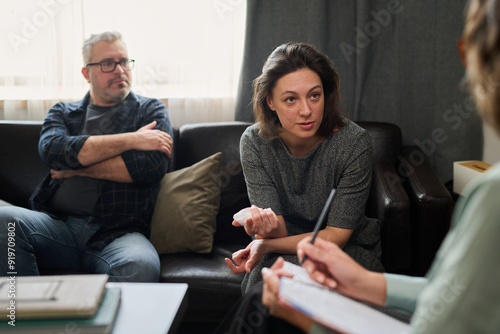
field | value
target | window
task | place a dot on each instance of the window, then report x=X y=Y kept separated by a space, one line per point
x=188 y=53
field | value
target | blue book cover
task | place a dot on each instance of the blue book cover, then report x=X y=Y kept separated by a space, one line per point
x=101 y=323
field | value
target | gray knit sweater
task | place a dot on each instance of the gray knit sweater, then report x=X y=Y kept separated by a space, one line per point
x=297 y=188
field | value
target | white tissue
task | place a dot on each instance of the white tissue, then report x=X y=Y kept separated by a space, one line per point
x=242 y=216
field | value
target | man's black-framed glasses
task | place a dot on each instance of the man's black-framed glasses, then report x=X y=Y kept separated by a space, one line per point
x=110 y=65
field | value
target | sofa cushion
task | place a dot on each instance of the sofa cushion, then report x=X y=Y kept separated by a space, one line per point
x=186 y=207
x=213 y=288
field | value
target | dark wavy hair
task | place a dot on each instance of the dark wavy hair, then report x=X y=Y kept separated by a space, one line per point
x=288 y=58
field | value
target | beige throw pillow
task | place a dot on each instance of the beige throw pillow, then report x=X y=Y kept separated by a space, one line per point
x=186 y=208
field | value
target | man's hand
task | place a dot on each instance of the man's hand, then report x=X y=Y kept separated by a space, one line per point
x=149 y=139
x=62 y=174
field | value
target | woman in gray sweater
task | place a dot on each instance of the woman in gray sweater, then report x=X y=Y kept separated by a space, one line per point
x=299 y=149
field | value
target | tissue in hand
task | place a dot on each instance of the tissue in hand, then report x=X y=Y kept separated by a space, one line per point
x=242 y=215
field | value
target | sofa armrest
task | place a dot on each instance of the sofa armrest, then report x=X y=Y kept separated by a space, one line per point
x=389 y=203
x=431 y=204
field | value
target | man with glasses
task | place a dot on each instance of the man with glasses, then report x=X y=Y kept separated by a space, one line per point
x=107 y=154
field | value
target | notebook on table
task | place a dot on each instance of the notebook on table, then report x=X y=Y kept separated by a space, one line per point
x=43 y=297
x=102 y=322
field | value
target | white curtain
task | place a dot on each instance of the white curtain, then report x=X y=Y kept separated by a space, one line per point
x=188 y=53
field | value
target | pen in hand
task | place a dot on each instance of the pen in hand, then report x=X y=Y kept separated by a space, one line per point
x=321 y=218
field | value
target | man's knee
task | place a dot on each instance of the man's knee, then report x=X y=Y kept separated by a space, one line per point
x=10 y=218
x=136 y=269
x=16 y=215
x=9 y=213
x=148 y=269
x=17 y=254
x=25 y=222
x=137 y=261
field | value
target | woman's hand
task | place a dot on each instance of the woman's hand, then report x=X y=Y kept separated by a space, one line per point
x=263 y=223
x=246 y=259
x=329 y=265
x=270 y=291
x=270 y=297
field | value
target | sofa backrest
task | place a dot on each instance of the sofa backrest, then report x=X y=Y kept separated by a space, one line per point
x=225 y=137
x=21 y=168
x=195 y=142
x=386 y=140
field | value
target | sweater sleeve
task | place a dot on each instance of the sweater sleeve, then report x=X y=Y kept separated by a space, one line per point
x=262 y=191
x=403 y=291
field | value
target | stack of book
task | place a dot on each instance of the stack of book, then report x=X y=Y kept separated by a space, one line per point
x=52 y=304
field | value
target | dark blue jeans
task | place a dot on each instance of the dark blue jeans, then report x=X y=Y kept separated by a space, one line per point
x=31 y=240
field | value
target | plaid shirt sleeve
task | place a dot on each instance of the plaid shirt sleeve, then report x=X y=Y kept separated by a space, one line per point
x=59 y=145
x=147 y=167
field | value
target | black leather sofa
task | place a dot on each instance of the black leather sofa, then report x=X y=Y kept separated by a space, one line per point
x=413 y=206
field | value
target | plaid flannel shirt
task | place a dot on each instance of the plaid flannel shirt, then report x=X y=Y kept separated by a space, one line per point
x=121 y=207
